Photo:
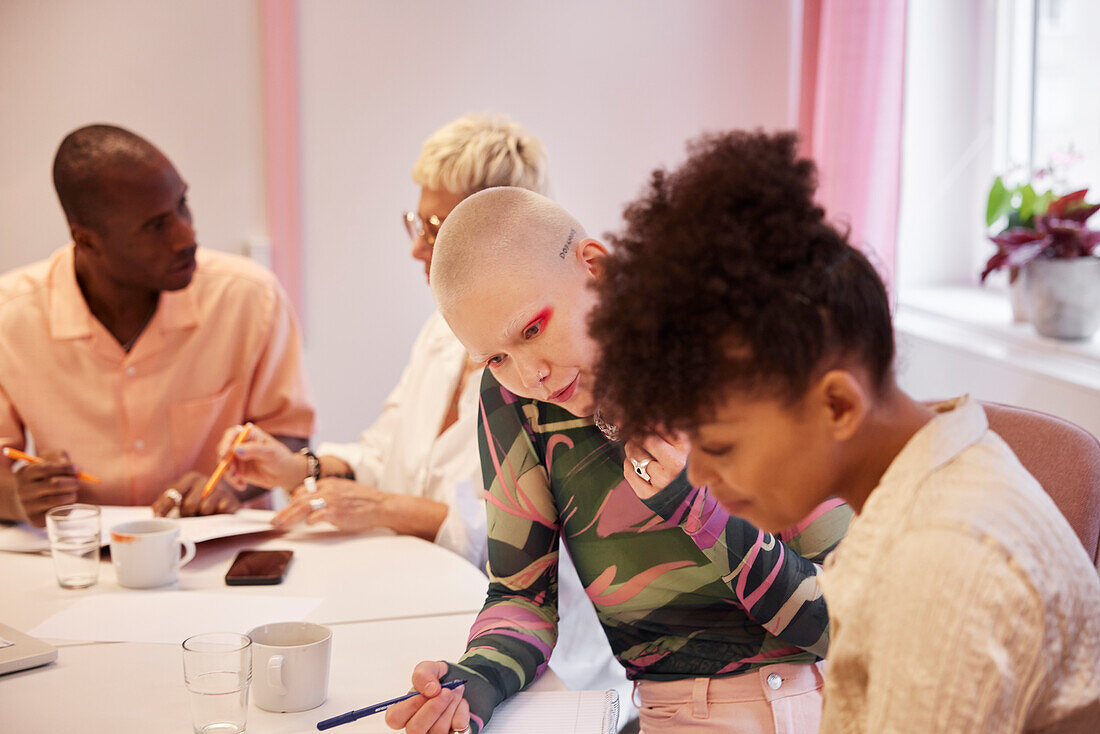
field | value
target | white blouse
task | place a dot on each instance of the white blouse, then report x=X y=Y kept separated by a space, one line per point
x=403 y=453
x=961 y=599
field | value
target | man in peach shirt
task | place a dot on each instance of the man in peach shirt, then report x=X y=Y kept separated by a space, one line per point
x=129 y=352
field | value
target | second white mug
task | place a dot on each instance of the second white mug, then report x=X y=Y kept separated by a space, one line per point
x=290 y=662
x=146 y=553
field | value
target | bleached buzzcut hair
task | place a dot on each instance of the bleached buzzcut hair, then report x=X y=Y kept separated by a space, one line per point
x=498 y=233
x=480 y=151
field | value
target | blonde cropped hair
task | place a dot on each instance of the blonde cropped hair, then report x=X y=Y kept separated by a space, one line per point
x=476 y=152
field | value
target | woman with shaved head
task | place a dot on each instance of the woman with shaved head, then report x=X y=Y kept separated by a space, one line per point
x=415 y=470
x=720 y=625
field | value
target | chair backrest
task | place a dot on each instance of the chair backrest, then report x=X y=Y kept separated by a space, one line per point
x=1065 y=458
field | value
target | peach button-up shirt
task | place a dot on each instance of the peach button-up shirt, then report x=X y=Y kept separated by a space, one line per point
x=224 y=350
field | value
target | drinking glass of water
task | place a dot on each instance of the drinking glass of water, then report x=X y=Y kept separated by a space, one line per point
x=217 y=668
x=74 y=543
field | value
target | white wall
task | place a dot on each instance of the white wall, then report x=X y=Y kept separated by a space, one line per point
x=186 y=75
x=929 y=368
x=612 y=88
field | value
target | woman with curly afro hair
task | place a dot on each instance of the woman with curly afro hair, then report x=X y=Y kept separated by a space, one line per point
x=961 y=599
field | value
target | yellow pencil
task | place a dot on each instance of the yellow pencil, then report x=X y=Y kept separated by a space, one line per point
x=228 y=457
x=24 y=456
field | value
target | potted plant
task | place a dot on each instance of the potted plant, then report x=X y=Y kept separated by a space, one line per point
x=1049 y=243
x=1016 y=206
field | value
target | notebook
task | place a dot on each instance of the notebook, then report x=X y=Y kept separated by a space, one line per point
x=23 y=538
x=19 y=651
x=557 y=712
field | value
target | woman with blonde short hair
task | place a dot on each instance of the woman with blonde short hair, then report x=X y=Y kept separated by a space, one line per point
x=416 y=470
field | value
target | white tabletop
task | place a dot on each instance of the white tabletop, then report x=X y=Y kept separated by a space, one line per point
x=391 y=602
x=130 y=687
x=359 y=578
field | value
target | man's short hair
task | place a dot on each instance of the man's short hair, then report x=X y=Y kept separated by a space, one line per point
x=476 y=152
x=81 y=159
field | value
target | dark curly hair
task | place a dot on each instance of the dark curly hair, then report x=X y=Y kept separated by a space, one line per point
x=727 y=277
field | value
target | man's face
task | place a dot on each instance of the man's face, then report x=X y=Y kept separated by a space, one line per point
x=144 y=233
x=765 y=461
x=531 y=333
x=436 y=203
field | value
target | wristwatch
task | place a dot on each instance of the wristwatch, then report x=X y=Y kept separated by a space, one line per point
x=313 y=464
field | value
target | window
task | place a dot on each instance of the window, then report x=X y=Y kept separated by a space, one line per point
x=1005 y=87
x=1066 y=103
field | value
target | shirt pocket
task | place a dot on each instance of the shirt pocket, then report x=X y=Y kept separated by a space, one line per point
x=197 y=425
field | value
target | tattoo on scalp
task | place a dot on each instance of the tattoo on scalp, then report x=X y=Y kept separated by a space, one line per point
x=568 y=244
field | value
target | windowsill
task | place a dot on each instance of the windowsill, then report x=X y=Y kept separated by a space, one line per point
x=980 y=321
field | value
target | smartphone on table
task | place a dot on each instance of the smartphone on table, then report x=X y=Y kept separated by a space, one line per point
x=258 y=567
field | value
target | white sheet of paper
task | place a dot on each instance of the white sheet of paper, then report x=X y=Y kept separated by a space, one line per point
x=27 y=539
x=169 y=616
x=554 y=712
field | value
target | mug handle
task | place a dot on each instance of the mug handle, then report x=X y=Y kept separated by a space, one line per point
x=275 y=674
x=188 y=546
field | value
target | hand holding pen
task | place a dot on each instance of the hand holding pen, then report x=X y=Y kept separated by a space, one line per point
x=435 y=708
x=378 y=708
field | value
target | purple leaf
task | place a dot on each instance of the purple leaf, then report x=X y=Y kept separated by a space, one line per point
x=1023 y=255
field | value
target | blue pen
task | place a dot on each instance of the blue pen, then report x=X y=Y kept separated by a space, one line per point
x=376 y=708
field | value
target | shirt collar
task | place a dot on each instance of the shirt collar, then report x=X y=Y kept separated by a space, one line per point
x=960 y=423
x=69 y=314
x=70 y=317
x=178 y=309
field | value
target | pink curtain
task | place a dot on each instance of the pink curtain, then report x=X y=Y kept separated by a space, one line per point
x=279 y=41
x=850 y=115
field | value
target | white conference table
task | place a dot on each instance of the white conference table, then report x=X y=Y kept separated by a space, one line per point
x=359 y=577
x=391 y=602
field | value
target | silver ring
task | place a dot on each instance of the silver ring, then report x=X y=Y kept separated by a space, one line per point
x=317 y=503
x=463 y=731
x=310 y=484
x=174 y=495
x=639 y=468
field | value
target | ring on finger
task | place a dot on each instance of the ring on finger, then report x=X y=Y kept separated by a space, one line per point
x=174 y=494
x=310 y=485
x=317 y=503
x=462 y=731
x=640 y=468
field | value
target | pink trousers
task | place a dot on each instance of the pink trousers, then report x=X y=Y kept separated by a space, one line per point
x=775 y=699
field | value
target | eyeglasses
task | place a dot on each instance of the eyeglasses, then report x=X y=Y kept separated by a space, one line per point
x=417 y=227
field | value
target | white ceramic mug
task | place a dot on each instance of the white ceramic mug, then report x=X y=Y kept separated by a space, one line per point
x=290 y=663
x=146 y=553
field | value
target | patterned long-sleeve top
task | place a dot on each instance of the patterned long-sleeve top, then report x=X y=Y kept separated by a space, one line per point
x=681 y=588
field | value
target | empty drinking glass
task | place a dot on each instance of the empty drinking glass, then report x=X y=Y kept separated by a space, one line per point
x=217 y=668
x=74 y=543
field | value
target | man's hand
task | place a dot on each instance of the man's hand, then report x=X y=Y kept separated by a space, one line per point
x=436 y=710
x=347 y=504
x=45 y=485
x=223 y=499
x=660 y=457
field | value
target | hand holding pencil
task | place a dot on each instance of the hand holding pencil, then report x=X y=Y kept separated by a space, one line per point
x=196 y=494
x=41 y=484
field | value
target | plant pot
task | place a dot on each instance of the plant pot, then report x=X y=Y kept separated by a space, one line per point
x=1016 y=296
x=1063 y=296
